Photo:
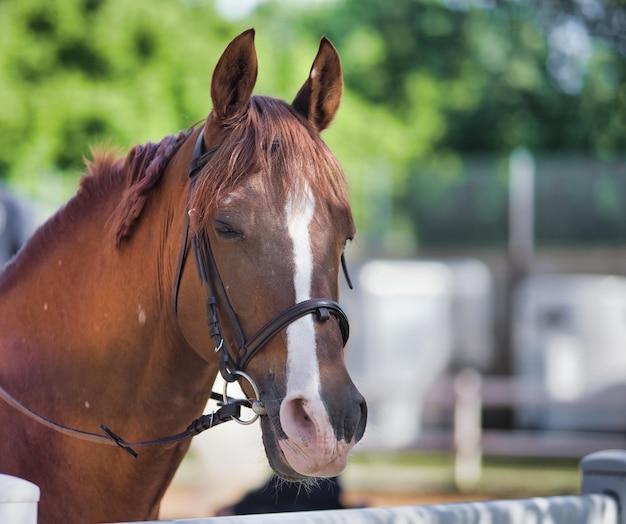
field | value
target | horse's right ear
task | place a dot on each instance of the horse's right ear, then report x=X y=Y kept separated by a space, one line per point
x=234 y=78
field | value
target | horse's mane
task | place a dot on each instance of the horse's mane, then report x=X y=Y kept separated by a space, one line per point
x=129 y=179
x=273 y=140
x=140 y=171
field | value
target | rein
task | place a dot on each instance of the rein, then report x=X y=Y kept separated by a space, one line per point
x=229 y=410
x=230 y=369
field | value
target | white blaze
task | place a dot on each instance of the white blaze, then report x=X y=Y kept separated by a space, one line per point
x=302 y=364
x=311 y=447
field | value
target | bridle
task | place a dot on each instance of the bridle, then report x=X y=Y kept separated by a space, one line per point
x=231 y=369
x=209 y=275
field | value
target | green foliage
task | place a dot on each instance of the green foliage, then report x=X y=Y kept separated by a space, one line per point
x=80 y=72
x=427 y=87
x=459 y=84
x=477 y=79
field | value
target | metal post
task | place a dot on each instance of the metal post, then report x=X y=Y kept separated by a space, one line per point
x=605 y=472
x=468 y=429
x=521 y=239
x=521 y=210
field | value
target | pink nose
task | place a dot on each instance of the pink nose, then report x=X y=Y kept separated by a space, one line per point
x=316 y=445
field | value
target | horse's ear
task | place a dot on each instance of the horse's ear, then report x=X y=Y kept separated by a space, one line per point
x=319 y=97
x=234 y=78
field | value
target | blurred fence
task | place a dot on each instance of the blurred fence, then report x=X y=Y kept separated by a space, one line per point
x=17 y=222
x=469 y=395
x=602 y=502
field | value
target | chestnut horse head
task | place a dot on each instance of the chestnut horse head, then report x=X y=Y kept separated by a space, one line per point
x=270 y=204
x=103 y=314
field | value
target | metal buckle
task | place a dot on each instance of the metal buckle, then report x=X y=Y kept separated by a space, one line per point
x=255 y=404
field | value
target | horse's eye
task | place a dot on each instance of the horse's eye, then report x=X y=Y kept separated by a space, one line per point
x=226 y=232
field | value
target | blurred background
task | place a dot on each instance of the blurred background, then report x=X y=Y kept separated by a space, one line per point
x=485 y=146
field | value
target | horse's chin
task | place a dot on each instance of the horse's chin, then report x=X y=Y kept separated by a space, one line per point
x=297 y=465
x=275 y=456
x=310 y=464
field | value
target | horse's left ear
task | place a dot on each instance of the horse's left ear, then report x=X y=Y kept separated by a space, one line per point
x=319 y=97
x=234 y=78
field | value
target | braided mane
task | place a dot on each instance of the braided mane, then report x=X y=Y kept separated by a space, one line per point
x=140 y=171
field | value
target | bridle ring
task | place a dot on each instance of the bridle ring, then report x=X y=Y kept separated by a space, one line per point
x=256 y=405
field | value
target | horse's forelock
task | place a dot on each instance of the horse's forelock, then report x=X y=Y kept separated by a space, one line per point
x=273 y=140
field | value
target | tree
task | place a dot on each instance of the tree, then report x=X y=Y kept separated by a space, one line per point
x=464 y=80
x=79 y=72
x=428 y=84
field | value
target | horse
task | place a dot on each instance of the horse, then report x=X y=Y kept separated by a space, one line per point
x=216 y=250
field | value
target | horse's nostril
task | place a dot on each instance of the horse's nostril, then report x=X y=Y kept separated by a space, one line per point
x=296 y=420
x=354 y=423
x=303 y=420
x=360 y=429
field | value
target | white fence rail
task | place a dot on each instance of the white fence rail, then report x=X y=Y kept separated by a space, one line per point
x=587 y=509
x=603 y=502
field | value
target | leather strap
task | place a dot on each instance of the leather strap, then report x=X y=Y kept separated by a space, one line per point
x=321 y=307
x=226 y=412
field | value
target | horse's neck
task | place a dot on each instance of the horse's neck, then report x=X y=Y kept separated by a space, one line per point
x=88 y=337
x=93 y=325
